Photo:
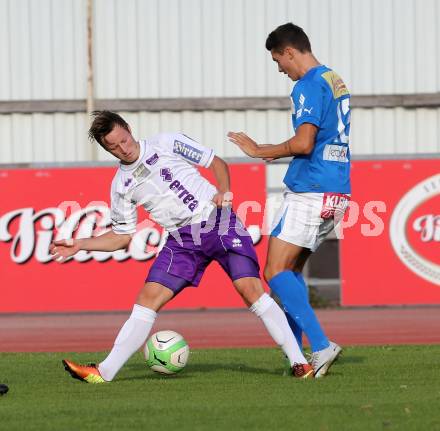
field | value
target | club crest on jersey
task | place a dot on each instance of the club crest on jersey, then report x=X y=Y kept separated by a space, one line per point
x=187 y=151
x=152 y=160
x=141 y=172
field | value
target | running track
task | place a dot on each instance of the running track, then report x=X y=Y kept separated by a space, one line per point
x=202 y=329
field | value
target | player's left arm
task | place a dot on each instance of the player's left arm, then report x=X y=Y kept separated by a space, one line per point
x=302 y=143
x=221 y=173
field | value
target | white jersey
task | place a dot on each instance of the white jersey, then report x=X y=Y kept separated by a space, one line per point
x=164 y=181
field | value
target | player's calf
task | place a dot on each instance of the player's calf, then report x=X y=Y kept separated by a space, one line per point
x=272 y=317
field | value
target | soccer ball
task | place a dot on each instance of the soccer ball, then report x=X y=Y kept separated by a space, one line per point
x=166 y=352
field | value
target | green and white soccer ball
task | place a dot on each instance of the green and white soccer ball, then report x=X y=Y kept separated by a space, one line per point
x=166 y=352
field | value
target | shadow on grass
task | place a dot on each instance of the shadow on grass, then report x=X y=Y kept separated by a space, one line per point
x=348 y=359
x=192 y=370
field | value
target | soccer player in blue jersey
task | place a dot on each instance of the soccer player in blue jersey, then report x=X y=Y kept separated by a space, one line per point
x=317 y=180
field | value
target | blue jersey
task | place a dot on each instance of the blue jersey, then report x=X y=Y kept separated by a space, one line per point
x=321 y=98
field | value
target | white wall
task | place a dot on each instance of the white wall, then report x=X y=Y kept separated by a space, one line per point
x=206 y=48
x=43 y=49
x=43 y=138
x=192 y=48
x=63 y=137
x=179 y=48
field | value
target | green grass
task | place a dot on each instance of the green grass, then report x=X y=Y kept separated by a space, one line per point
x=370 y=388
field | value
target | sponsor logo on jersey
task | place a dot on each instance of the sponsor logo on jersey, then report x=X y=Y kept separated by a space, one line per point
x=187 y=151
x=152 y=160
x=302 y=109
x=236 y=242
x=415 y=235
x=128 y=182
x=336 y=84
x=335 y=153
x=166 y=174
x=183 y=194
x=334 y=205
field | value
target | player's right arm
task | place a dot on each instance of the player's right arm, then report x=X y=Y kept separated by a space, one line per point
x=63 y=249
x=110 y=241
x=301 y=144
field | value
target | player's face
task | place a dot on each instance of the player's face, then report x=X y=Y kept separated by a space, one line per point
x=286 y=63
x=122 y=145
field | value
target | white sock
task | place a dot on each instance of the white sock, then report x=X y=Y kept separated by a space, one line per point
x=276 y=324
x=132 y=335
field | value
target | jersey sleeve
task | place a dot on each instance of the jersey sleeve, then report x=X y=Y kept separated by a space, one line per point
x=189 y=150
x=307 y=98
x=123 y=214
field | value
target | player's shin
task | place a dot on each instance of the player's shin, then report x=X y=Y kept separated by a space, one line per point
x=130 y=338
x=295 y=328
x=276 y=324
x=292 y=294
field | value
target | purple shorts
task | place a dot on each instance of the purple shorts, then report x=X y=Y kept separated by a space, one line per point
x=189 y=250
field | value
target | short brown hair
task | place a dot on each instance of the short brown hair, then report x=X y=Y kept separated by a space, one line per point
x=288 y=34
x=103 y=123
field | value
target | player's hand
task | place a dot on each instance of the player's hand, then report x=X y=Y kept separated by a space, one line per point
x=223 y=199
x=246 y=144
x=63 y=249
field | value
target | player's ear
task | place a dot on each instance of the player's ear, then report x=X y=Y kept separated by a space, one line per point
x=290 y=51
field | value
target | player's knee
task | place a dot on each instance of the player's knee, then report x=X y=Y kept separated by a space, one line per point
x=154 y=296
x=146 y=298
x=249 y=288
x=271 y=270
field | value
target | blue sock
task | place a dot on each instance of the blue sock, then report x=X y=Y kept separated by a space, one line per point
x=296 y=329
x=294 y=298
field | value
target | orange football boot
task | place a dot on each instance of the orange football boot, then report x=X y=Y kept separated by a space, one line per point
x=87 y=373
x=303 y=371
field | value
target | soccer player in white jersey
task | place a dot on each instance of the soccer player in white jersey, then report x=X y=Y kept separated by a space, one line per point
x=317 y=180
x=159 y=174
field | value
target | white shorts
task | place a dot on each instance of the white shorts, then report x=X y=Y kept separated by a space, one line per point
x=305 y=219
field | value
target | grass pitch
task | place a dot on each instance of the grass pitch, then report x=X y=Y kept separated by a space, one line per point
x=369 y=388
